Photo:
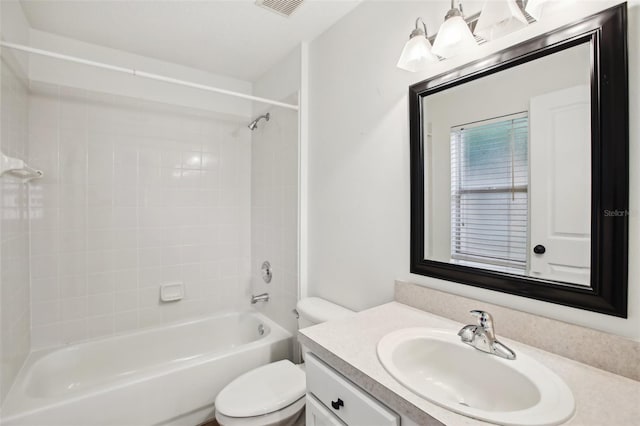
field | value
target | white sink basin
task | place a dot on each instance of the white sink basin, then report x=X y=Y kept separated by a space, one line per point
x=437 y=366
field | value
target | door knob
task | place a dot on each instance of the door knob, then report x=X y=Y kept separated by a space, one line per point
x=539 y=249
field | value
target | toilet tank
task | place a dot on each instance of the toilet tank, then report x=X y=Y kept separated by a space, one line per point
x=314 y=310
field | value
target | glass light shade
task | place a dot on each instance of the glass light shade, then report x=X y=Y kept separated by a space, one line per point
x=416 y=55
x=534 y=8
x=453 y=37
x=499 y=18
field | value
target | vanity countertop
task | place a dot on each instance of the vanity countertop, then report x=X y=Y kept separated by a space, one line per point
x=349 y=346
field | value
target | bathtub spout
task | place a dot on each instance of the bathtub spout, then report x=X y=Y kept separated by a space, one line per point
x=264 y=297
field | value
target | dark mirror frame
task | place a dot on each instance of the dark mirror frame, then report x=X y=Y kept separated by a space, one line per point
x=606 y=32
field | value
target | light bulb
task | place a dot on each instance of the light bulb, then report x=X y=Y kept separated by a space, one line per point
x=416 y=54
x=535 y=7
x=499 y=18
x=454 y=36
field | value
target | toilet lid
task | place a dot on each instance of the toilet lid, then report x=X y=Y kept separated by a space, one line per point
x=318 y=310
x=263 y=390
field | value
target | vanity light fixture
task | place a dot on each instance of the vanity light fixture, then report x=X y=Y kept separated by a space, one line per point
x=454 y=35
x=416 y=54
x=458 y=34
x=499 y=18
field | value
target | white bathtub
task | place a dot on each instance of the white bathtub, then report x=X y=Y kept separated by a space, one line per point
x=161 y=376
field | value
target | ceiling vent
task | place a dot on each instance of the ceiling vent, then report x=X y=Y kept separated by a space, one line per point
x=281 y=7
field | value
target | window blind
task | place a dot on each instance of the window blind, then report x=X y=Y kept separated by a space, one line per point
x=489 y=200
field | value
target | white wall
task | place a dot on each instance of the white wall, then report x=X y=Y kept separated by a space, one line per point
x=135 y=194
x=274 y=192
x=122 y=209
x=145 y=183
x=14 y=27
x=14 y=231
x=359 y=160
x=274 y=213
x=280 y=82
x=15 y=313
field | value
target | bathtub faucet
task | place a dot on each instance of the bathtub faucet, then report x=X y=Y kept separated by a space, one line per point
x=264 y=297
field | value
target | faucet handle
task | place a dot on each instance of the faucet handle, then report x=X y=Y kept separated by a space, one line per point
x=485 y=320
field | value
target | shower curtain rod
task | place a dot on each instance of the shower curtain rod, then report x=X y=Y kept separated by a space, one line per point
x=144 y=74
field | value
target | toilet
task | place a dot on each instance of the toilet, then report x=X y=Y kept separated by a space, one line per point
x=274 y=394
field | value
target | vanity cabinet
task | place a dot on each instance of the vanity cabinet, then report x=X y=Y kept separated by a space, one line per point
x=334 y=400
x=319 y=415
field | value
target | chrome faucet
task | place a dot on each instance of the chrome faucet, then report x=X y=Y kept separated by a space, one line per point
x=483 y=337
x=264 y=297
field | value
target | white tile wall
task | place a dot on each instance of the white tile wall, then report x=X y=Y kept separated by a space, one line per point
x=14 y=231
x=135 y=194
x=274 y=214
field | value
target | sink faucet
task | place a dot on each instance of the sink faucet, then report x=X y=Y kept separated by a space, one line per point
x=483 y=337
x=264 y=297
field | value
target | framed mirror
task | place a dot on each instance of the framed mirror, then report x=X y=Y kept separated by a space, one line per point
x=520 y=169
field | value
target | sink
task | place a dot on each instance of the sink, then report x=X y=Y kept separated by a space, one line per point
x=437 y=366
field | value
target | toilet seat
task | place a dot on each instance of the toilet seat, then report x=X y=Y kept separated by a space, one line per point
x=270 y=389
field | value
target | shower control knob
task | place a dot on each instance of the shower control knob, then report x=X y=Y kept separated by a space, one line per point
x=539 y=249
x=337 y=404
x=267 y=272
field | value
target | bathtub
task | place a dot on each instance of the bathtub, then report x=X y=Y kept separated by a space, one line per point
x=162 y=376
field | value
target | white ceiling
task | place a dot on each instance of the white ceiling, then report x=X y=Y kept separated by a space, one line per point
x=235 y=38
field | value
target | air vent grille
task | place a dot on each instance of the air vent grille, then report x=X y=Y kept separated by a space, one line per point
x=281 y=7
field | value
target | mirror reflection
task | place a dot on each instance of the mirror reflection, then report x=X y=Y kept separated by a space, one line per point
x=508 y=170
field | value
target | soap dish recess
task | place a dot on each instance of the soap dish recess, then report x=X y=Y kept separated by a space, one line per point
x=171 y=292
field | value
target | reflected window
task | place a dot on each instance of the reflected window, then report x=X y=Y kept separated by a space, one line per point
x=489 y=193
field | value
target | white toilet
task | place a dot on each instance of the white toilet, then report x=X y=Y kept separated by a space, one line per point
x=274 y=393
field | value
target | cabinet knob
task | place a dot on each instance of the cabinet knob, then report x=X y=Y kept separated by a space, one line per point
x=337 y=404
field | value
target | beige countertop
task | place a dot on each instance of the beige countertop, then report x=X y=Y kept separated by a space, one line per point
x=349 y=346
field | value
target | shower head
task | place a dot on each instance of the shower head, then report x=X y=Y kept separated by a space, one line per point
x=254 y=124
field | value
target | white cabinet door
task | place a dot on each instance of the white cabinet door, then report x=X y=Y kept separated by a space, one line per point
x=318 y=415
x=560 y=185
x=348 y=402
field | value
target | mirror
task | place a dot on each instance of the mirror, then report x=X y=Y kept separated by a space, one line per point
x=520 y=169
x=508 y=168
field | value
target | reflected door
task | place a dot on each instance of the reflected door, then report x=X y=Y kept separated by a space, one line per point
x=560 y=185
